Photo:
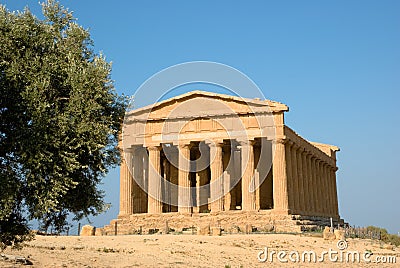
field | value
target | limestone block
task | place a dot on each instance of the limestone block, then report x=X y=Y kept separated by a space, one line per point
x=268 y=228
x=203 y=230
x=327 y=234
x=234 y=229
x=339 y=234
x=246 y=228
x=165 y=229
x=216 y=231
x=99 y=232
x=88 y=230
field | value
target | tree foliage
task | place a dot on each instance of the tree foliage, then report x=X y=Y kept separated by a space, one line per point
x=59 y=121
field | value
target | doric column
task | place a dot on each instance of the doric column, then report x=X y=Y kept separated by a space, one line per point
x=154 y=188
x=236 y=176
x=325 y=184
x=145 y=175
x=138 y=181
x=327 y=188
x=248 y=182
x=322 y=187
x=130 y=185
x=216 y=184
x=173 y=162
x=167 y=185
x=226 y=190
x=135 y=186
x=333 y=179
x=306 y=181
x=295 y=179
x=203 y=192
x=332 y=194
x=227 y=171
x=300 y=179
x=184 y=202
x=318 y=188
x=289 y=174
x=123 y=187
x=331 y=191
x=196 y=209
x=280 y=186
x=311 y=166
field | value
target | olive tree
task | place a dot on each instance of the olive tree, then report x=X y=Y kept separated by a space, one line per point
x=59 y=121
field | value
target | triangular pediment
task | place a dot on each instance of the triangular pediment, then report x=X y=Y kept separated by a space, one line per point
x=204 y=104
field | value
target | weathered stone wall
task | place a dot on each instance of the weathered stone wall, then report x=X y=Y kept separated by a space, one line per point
x=263 y=221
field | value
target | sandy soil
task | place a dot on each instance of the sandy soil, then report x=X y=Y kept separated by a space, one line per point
x=191 y=251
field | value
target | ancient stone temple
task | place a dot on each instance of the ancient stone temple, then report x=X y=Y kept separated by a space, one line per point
x=207 y=159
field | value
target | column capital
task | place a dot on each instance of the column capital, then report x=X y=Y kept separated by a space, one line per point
x=129 y=150
x=325 y=164
x=308 y=153
x=137 y=148
x=243 y=143
x=290 y=143
x=153 y=148
x=185 y=146
x=280 y=140
x=332 y=168
x=296 y=147
x=214 y=143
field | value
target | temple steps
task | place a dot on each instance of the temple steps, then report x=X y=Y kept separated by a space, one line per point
x=229 y=222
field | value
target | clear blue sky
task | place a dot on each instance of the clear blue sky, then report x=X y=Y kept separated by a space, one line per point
x=336 y=64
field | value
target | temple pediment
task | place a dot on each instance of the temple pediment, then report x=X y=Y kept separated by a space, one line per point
x=196 y=104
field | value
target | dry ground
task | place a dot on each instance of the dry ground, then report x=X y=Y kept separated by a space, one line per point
x=187 y=251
